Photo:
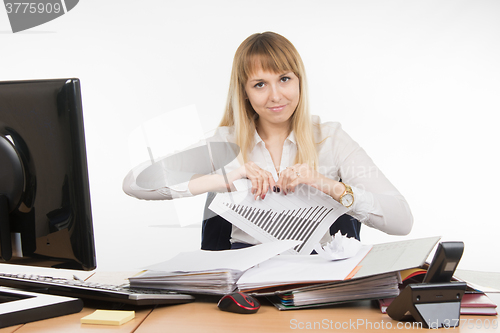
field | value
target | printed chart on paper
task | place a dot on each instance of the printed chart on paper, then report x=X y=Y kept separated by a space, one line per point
x=297 y=216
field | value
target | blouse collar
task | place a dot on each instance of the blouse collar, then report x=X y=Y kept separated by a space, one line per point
x=290 y=137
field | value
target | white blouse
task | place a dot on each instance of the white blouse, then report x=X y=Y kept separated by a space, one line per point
x=377 y=203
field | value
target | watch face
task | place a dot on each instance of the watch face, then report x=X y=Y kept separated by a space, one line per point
x=347 y=200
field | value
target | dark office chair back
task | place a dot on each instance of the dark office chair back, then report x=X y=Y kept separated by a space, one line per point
x=216 y=231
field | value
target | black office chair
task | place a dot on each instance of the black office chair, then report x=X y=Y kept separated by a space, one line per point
x=216 y=231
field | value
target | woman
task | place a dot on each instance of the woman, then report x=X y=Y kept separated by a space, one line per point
x=282 y=145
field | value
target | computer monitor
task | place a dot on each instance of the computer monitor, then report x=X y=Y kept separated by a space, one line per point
x=46 y=217
x=45 y=212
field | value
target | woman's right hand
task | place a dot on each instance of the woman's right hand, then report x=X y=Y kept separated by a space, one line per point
x=262 y=180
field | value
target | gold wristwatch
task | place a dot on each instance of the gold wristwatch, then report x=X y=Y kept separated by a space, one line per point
x=347 y=198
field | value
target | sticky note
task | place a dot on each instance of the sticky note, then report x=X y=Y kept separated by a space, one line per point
x=108 y=317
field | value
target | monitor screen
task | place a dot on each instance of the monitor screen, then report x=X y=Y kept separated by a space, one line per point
x=45 y=213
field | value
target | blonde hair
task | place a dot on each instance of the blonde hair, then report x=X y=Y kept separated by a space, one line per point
x=273 y=53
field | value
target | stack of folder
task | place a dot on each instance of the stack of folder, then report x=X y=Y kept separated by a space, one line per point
x=290 y=281
x=367 y=288
x=207 y=272
x=295 y=282
x=200 y=282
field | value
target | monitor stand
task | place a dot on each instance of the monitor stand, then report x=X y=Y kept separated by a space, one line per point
x=20 y=307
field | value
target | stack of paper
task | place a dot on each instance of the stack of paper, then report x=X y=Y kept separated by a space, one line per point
x=211 y=272
x=373 y=287
x=294 y=282
x=212 y=282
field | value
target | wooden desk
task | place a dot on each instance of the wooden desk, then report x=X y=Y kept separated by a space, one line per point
x=204 y=316
x=71 y=323
x=359 y=316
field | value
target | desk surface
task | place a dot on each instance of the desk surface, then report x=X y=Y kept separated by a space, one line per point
x=204 y=316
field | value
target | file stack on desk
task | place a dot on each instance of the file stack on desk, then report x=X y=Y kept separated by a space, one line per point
x=372 y=287
x=216 y=282
x=297 y=282
x=207 y=272
x=291 y=281
x=294 y=282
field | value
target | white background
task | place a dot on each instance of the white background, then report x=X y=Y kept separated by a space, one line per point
x=416 y=83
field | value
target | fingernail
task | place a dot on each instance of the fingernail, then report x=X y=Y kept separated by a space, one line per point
x=263 y=196
x=274 y=188
x=278 y=189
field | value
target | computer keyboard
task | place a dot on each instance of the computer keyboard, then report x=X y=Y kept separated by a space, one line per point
x=90 y=290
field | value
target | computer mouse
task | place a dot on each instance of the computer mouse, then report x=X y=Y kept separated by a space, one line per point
x=239 y=303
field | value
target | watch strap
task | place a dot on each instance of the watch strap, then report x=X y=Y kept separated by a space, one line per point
x=348 y=190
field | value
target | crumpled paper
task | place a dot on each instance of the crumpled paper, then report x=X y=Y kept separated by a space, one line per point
x=339 y=247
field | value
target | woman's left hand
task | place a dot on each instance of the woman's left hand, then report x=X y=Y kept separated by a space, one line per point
x=298 y=174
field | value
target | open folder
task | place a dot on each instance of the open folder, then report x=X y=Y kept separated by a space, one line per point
x=286 y=271
x=259 y=269
x=296 y=282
